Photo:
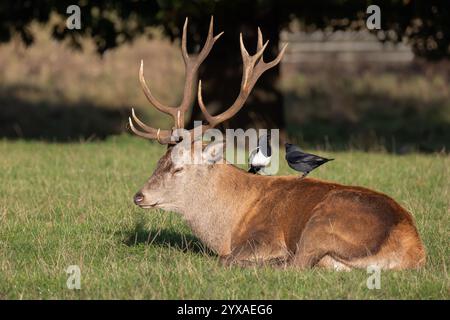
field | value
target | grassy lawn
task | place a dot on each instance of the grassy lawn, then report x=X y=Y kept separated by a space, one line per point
x=71 y=204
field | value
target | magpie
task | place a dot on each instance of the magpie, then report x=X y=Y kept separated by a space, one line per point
x=302 y=161
x=261 y=155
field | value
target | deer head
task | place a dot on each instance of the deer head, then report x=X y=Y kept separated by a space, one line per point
x=175 y=184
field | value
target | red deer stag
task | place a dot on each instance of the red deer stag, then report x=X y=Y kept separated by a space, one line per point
x=247 y=218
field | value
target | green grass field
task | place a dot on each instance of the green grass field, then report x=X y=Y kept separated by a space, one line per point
x=71 y=204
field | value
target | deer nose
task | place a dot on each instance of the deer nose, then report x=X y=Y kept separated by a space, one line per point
x=138 y=198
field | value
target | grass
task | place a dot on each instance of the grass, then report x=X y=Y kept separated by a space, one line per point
x=401 y=110
x=70 y=204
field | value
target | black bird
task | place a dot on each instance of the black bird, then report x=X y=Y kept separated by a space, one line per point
x=261 y=155
x=302 y=161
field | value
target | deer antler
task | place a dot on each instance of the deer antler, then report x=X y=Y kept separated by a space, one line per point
x=191 y=67
x=253 y=67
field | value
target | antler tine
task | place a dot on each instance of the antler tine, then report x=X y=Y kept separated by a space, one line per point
x=183 y=42
x=260 y=40
x=191 y=67
x=139 y=133
x=253 y=67
x=210 y=40
x=205 y=112
x=249 y=63
x=163 y=136
x=149 y=95
x=263 y=66
x=141 y=124
x=161 y=107
x=275 y=61
x=192 y=64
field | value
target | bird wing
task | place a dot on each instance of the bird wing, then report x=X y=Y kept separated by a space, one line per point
x=252 y=155
x=317 y=160
x=262 y=140
x=264 y=145
x=295 y=157
x=312 y=158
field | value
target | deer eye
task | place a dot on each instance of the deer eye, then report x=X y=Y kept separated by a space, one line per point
x=177 y=170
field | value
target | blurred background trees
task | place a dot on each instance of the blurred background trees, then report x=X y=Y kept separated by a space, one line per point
x=111 y=24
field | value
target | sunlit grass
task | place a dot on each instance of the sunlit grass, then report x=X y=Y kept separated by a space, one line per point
x=71 y=204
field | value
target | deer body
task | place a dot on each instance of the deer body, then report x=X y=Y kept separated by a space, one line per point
x=247 y=218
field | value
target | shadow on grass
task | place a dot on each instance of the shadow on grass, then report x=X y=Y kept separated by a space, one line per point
x=335 y=117
x=339 y=110
x=397 y=127
x=164 y=238
x=57 y=121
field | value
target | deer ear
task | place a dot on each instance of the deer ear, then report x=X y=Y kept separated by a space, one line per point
x=213 y=153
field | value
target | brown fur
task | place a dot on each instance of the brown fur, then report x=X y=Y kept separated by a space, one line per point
x=289 y=221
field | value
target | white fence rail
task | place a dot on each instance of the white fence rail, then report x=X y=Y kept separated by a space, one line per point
x=342 y=47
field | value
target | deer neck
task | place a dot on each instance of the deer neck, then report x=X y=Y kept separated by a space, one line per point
x=218 y=202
